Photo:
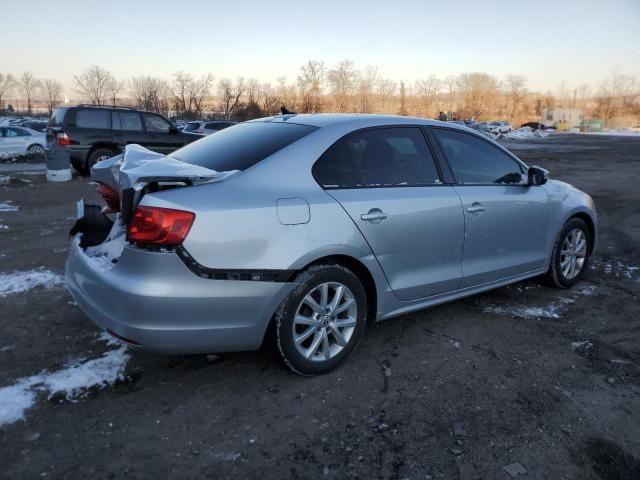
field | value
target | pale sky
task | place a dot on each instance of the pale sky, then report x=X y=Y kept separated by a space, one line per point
x=546 y=41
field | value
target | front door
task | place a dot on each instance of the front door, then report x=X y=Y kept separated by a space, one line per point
x=387 y=181
x=506 y=220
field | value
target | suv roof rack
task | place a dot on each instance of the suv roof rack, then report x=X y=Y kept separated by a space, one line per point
x=105 y=106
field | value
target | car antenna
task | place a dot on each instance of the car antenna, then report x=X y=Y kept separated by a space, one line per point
x=284 y=111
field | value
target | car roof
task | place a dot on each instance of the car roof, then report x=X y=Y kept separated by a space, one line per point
x=352 y=120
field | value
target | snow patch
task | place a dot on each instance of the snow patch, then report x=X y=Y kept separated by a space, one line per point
x=8 y=207
x=525 y=133
x=582 y=344
x=73 y=381
x=615 y=267
x=519 y=311
x=19 y=282
x=4 y=227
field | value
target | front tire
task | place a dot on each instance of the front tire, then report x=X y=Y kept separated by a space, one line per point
x=320 y=324
x=35 y=149
x=570 y=255
x=97 y=156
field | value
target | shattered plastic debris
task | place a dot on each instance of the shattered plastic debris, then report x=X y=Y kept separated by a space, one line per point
x=583 y=344
x=104 y=256
x=19 y=282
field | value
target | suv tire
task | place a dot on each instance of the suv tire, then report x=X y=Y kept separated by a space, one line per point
x=321 y=322
x=97 y=155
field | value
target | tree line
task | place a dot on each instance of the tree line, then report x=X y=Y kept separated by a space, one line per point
x=319 y=87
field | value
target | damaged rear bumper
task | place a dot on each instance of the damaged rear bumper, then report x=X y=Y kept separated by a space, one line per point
x=152 y=299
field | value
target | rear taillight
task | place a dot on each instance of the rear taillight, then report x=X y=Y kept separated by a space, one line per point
x=63 y=139
x=111 y=198
x=159 y=226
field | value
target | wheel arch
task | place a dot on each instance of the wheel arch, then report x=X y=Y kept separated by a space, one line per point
x=586 y=218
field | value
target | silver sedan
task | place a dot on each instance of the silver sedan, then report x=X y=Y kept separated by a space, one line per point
x=315 y=224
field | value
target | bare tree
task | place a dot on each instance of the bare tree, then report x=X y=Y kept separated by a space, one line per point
x=403 y=99
x=253 y=91
x=114 y=87
x=6 y=84
x=199 y=89
x=343 y=80
x=287 y=94
x=94 y=84
x=231 y=94
x=516 y=92
x=427 y=91
x=53 y=90
x=479 y=92
x=182 y=103
x=28 y=84
x=311 y=84
x=368 y=81
x=147 y=92
x=269 y=99
x=386 y=91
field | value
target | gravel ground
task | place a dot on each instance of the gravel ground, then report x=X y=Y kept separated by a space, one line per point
x=526 y=377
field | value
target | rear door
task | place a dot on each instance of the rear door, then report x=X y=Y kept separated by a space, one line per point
x=128 y=129
x=506 y=220
x=16 y=140
x=388 y=182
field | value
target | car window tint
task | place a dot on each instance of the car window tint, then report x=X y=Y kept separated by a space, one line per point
x=58 y=117
x=191 y=126
x=242 y=146
x=392 y=157
x=17 y=132
x=130 y=121
x=155 y=123
x=93 y=118
x=476 y=161
x=212 y=126
x=334 y=168
x=10 y=132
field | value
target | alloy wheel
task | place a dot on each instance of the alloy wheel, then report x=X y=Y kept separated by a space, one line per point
x=325 y=321
x=573 y=253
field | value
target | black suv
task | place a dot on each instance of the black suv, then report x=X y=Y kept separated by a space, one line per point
x=93 y=133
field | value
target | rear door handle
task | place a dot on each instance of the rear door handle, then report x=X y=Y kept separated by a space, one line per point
x=475 y=207
x=375 y=215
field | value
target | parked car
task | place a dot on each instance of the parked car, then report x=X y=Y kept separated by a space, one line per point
x=37 y=125
x=21 y=141
x=533 y=125
x=207 y=127
x=94 y=133
x=499 y=127
x=483 y=126
x=315 y=224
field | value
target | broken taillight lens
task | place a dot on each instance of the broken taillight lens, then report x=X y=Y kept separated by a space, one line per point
x=159 y=226
x=111 y=198
x=63 y=139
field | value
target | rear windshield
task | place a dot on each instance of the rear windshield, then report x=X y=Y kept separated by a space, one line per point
x=241 y=146
x=58 y=117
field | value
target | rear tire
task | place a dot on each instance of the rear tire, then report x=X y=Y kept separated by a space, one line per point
x=35 y=149
x=321 y=322
x=97 y=156
x=571 y=252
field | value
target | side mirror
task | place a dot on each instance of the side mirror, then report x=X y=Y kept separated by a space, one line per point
x=173 y=129
x=538 y=175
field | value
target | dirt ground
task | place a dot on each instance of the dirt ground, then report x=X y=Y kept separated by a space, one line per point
x=457 y=392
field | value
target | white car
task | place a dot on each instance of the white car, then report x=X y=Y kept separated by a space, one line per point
x=499 y=127
x=207 y=127
x=16 y=141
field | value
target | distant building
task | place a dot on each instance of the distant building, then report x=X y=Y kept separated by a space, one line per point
x=562 y=118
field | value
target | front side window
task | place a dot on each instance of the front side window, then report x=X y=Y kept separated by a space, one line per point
x=16 y=132
x=191 y=126
x=155 y=123
x=476 y=161
x=243 y=146
x=93 y=118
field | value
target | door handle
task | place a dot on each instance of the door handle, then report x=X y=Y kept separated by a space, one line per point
x=475 y=208
x=374 y=215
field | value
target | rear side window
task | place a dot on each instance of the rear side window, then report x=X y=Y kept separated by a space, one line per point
x=127 y=121
x=93 y=119
x=382 y=157
x=475 y=161
x=58 y=117
x=242 y=146
x=17 y=132
x=190 y=127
